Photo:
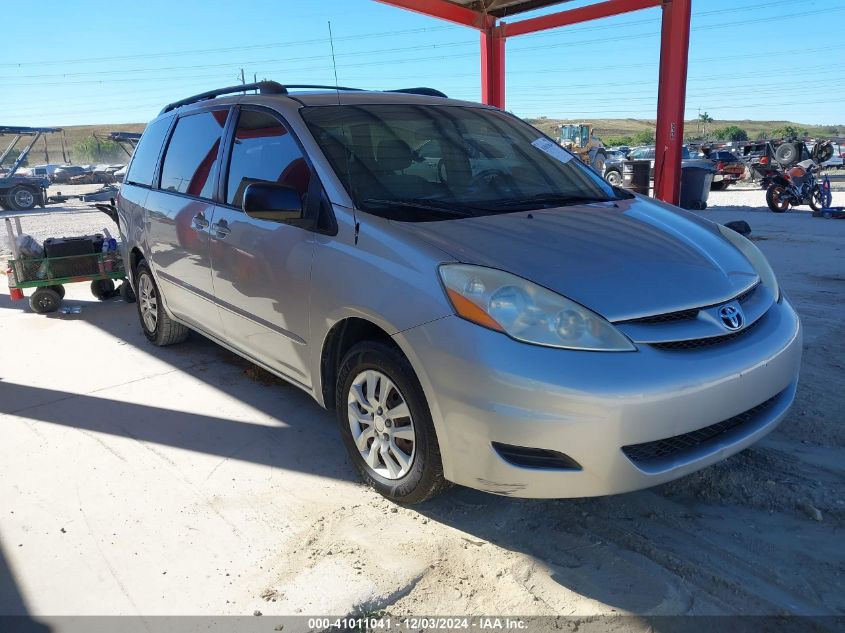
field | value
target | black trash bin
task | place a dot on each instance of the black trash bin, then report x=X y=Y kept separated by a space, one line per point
x=636 y=175
x=696 y=178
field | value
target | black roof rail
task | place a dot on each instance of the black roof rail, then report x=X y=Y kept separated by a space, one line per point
x=263 y=87
x=422 y=90
x=318 y=87
x=274 y=88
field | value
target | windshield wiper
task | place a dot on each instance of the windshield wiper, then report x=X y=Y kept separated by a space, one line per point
x=549 y=200
x=426 y=205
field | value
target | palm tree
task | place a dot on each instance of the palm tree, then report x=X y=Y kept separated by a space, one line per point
x=705 y=119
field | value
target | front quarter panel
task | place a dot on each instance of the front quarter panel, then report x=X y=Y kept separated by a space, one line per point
x=386 y=277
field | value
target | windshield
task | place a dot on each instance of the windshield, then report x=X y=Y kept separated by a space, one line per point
x=426 y=162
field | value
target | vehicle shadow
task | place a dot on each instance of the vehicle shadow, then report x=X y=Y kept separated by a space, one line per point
x=634 y=552
x=14 y=613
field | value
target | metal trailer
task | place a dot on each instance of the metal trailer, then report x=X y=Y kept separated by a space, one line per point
x=48 y=275
x=22 y=193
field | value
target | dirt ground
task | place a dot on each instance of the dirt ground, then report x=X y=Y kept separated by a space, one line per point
x=183 y=480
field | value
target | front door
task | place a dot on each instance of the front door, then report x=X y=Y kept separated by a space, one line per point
x=180 y=213
x=262 y=269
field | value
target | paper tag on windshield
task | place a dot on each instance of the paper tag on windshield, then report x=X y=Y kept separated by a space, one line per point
x=552 y=149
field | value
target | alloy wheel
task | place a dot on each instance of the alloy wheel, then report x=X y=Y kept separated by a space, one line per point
x=381 y=424
x=148 y=302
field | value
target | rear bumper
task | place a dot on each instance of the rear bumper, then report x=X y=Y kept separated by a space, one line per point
x=483 y=387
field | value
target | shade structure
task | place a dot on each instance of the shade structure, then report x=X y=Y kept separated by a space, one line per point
x=487 y=16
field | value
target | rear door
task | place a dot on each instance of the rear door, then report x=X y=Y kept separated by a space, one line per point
x=179 y=214
x=262 y=268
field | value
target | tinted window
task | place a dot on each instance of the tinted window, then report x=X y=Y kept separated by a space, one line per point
x=264 y=151
x=472 y=161
x=146 y=154
x=190 y=164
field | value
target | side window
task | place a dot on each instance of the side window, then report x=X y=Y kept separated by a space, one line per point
x=142 y=169
x=190 y=164
x=264 y=151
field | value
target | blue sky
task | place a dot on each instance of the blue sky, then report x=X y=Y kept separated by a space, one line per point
x=87 y=62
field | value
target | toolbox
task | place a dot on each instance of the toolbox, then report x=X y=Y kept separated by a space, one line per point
x=70 y=246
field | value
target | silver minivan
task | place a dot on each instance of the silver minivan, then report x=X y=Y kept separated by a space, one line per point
x=477 y=305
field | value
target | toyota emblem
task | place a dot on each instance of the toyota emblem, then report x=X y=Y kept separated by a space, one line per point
x=731 y=317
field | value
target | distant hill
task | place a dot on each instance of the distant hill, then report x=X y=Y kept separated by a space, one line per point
x=627 y=127
x=605 y=128
x=72 y=135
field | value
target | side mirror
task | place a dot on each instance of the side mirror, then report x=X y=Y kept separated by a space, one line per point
x=271 y=201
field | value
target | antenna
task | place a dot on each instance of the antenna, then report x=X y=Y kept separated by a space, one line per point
x=334 y=63
x=343 y=131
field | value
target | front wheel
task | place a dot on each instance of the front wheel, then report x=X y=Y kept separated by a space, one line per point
x=776 y=199
x=614 y=178
x=157 y=325
x=817 y=201
x=45 y=300
x=386 y=424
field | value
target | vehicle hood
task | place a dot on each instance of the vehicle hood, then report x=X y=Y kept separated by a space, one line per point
x=632 y=259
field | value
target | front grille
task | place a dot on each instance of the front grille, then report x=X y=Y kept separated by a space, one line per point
x=680 y=315
x=691 y=313
x=535 y=457
x=709 y=341
x=649 y=453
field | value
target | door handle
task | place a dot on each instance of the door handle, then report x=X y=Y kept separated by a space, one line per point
x=221 y=229
x=199 y=222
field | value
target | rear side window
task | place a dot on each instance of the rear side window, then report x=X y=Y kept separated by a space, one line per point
x=190 y=164
x=264 y=151
x=143 y=166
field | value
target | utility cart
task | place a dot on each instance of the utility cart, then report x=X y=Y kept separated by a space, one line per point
x=92 y=258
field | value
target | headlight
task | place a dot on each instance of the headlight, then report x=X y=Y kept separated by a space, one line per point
x=527 y=312
x=755 y=257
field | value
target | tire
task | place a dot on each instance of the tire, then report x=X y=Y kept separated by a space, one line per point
x=816 y=199
x=822 y=152
x=599 y=162
x=786 y=154
x=614 y=177
x=719 y=186
x=157 y=325
x=102 y=289
x=422 y=476
x=45 y=300
x=21 y=198
x=60 y=289
x=126 y=291
x=774 y=201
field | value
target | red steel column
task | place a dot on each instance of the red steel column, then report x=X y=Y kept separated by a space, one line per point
x=671 y=99
x=493 y=66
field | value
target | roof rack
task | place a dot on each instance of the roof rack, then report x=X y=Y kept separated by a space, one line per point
x=274 y=88
x=263 y=87
x=422 y=90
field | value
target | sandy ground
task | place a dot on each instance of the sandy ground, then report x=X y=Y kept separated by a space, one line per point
x=139 y=480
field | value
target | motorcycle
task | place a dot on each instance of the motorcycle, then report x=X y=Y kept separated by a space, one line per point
x=794 y=186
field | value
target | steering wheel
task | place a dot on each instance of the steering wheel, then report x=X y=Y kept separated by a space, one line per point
x=492 y=178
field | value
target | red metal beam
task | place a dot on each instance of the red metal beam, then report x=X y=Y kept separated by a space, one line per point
x=493 y=67
x=574 y=16
x=671 y=99
x=445 y=11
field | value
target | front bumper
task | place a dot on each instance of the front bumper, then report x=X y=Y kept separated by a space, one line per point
x=484 y=387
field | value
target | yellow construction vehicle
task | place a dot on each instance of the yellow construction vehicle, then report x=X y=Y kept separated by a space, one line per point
x=579 y=139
